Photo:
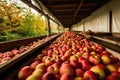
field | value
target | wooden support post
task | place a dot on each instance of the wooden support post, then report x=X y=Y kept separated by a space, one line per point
x=83 y=26
x=49 y=29
x=58 y=28
x=110 y=21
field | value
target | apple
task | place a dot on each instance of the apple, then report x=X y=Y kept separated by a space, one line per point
x=86 y=49
x=116 y=74
x=75 y=64
x=111 y=68
x=80 y=59
x=73 y=57
x=48 y=76
x=34 y=64
x=32 y=77
x=38 y=73
x=68 y=53
x=99 y=71
x=106 y=59
x=49 y=52
x=105 y=53
x=110 y=78
x=66 y=68
x=66 y=76
x=93 y=47
x=78 y=78
x=25 y=72
x=93 y=53
x=53 y=68
x=119 y=69
x=114 y=59
x=78 y=54
x=54 y=56
x=40 y=56
x=43 y=59
x=49 y=61
x=64 y=58
x=102 y=66
x=41 y=66
x=89 y=75
x=57 y=77
x=86 y=55
x=86 y=65
x=79 y=72
x=15 y=51
x=59 y=61
x=94 y=59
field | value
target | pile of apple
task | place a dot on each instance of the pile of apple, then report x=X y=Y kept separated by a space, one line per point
x=8 y=55
x=72 y=57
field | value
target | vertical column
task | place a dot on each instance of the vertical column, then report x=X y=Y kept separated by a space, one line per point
x=58 y=28
x=83 y=26
x=49 y=31
x=110 y=21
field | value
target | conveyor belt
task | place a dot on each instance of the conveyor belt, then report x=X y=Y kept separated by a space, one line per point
x=10 y=69
x=107 y=43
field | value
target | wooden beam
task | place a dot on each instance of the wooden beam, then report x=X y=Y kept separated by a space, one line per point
x=70 y=10
x=71 y=5
x=81 y=3
x=63 y=6
x=62 y=10
x=39 y=4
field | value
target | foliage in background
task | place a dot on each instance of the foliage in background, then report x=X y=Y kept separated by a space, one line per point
x=17 y=22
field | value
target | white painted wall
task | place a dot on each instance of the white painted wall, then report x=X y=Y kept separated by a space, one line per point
x=98 y=21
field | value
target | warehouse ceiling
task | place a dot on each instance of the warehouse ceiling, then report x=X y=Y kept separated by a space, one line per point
x=69 y=12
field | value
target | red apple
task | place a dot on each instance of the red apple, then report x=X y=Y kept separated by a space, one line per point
x=75 y=64
x=79 y=72
x=102 y=66
x=43 y=59
x=15 y=51
x=86 y=55
x=34 y=64
x=53 y=68
x=119 y=69
x=25 y=72
x=66 y=68
x=105 y=53
x=116 y=74
x=80 y=59
x=48 y=76
x=89 y=75
x=57 y=77
x=110 y=78
x=59 y=61
x=94 y=59
x=66 y=76
x=64 y=58
x=86 y=65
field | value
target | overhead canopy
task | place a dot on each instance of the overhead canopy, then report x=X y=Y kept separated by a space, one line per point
x=69 y=12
